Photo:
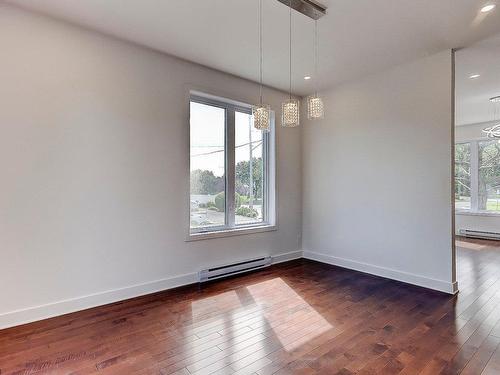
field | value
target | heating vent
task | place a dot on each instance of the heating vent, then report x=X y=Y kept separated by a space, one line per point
x=234 y=269
x=480 y=234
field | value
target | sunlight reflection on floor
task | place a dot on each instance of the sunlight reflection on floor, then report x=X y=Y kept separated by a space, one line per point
x=270 y=308
x=300 y=313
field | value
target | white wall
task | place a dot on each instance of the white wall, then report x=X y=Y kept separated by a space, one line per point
x=482 y=222
x=377 y=175
x=94 y=170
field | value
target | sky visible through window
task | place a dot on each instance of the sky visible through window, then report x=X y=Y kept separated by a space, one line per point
x=242 y=137
x=207 y=138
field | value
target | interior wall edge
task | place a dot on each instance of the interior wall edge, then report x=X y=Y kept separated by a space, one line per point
x=452 y=171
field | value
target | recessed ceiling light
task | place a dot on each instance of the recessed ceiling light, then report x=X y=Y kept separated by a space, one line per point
x=474 y=76
x=488 y=8
x=307 y=78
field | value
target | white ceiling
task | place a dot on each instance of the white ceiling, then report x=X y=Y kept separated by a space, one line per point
x=473 y=105
x=357 y=37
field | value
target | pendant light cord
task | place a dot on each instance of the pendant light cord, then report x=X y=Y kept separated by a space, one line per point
x=290 y=50
x=260 y=49
x=316 y=57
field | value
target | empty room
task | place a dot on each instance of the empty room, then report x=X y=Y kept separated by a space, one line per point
x=249 y=187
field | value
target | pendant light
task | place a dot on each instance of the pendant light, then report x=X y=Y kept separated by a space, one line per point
x=494 y=131
x=261 y=112
x=315 y=107
x=290 y=115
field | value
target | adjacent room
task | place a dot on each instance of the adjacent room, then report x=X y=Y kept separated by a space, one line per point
x=250 y=187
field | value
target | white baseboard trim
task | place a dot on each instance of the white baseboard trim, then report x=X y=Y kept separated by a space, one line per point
x=426 y=282
x=286 y=257
x=35 y=313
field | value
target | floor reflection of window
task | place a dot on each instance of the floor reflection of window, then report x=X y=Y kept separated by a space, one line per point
x=259 y=324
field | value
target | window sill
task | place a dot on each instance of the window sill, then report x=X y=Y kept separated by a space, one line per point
x=480 y=213
x=230 y=232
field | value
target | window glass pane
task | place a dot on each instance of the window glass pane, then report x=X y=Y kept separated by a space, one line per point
x=462 y=176
x=207 y=166
x=489 y=176
x=249 y=173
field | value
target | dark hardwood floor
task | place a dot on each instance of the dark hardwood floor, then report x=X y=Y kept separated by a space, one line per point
x=300 y=317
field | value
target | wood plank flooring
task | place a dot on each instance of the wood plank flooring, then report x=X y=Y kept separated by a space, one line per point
x=299 y=317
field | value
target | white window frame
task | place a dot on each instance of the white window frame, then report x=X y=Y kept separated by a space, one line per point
x=269 y=190
x=474 y=180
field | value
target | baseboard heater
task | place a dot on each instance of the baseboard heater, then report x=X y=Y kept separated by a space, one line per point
x=234 y=268
x=480 y=234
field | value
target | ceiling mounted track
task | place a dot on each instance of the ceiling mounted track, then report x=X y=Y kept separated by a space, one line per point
x=309 y=8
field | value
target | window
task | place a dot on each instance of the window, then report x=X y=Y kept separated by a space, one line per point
x=231 y=173
x=477 y=177
x=489 y=176
x=462 y=176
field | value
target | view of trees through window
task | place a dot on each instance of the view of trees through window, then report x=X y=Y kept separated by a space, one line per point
x=462 y=176
x=208 y=169
x=482 y=160
x=249 y=172
x=489 y=176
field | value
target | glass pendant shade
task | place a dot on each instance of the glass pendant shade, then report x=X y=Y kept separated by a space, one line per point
x=262 y=117
x=315 y=108
x=290 y=113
